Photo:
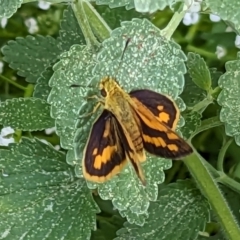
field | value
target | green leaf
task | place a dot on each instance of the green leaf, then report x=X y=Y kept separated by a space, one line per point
x=70 y=31
x=227 y=10
x=27 y=114
x=150 y=62
x=117 y=3
x=74 y=67
x=199 y=71
x=192 y=122
x=30 y=56
x=40 y=198
x=192 y=94
x=140 y=5
x=153 y=5
x=127 y=193
x=8 y=8
x=229 y=99
x=42 y=89
x=180 y=211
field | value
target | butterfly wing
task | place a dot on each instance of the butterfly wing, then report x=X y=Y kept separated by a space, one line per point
x=104 y=154
x=161 y=106
x=158 y=137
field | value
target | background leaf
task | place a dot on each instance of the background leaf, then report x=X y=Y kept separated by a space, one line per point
x=75 y=67
x=192 y=122
x=198 y=71
x=42 y=88
x=140 y=5
x=27 y=114
x=40 y=198
x=180 y=211
x=30 y=56
x=229 y=99
x=8 y=8
x=117 y=3
x=70 y=31
x=226 y=10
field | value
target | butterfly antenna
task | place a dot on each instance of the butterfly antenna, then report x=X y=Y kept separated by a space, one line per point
x=122 y=56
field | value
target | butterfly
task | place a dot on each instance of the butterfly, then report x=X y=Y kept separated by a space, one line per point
x=130 y=124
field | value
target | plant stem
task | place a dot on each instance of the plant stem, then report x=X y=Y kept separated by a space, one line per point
x=82 y=19
x=229 y=182
x=222 y=153
x=29 y=90
x=177 y=17
x=99 y=26
x=207 y=54
x=13 y=82
x=206 y=124
x=209 y=188
x=201 y=106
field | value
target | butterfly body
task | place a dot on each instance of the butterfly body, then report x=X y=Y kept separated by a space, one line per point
x=129 y=124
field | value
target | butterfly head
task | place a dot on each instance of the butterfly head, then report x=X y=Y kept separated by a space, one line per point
x=107 y=85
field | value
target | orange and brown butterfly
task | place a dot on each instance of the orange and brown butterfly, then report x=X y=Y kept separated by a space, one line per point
x=130 y=124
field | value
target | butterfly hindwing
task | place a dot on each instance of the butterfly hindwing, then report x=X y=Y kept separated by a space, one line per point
x=158 y=138
x=104 y=154
x=163 y=108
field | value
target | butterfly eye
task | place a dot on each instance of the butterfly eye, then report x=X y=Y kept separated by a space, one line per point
x=103 y=92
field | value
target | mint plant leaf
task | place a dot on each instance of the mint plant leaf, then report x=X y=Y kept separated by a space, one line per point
x=70 y=31
x=42 y=89
x=8 y=8
x=226 y=10
x=129 y=4
x=145 y=56
x=192 y=94
x=229 y=99
x=180 y=211
x=140 y=5
x=74 y=67
x=27 y=114
x=30 y=56
x=192 y=122
x=199 y=72
x=40 y=198
x=153 y=5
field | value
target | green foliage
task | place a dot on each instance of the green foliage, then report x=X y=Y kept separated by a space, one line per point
x=27 y=114
x=40 y=197
x=174 y=222
x=229 y=99
x=7 y=8
x=226 y=10
x=199 y=71
x=42 y=191
x=38 y=51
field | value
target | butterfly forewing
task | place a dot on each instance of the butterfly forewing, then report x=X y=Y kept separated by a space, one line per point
x=162 y=107
x=104 y=155
x=158 y=138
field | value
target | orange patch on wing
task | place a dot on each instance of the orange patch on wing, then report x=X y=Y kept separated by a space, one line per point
x=173 y=147
x=117 y=169
x=105 y=157
x=95 y=151
x=172 y=136
x=152 y=123
x=160 y=107
x=157 y=141
x=107 y=129
x=164 y=117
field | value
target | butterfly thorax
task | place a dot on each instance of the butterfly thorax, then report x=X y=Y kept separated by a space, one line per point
x=118 y=102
